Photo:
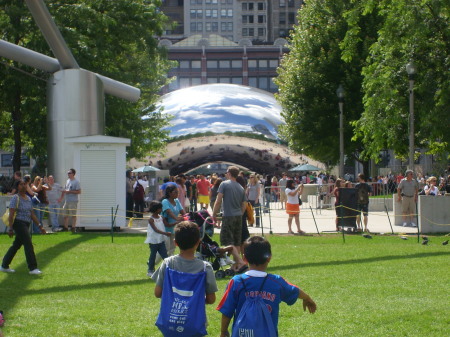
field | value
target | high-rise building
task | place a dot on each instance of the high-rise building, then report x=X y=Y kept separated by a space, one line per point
x=261 y=21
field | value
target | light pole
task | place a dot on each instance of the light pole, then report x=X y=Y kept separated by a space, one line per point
x=411 y=70
x=341 y=94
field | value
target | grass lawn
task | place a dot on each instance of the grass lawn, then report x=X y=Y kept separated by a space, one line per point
x=92 y=287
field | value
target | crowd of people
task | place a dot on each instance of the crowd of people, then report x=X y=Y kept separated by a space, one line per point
x=30 y=200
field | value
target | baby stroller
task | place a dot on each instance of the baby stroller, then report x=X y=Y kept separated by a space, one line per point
x=208 y=250
x=204 y=221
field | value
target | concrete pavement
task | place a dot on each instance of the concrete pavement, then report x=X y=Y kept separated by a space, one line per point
x=276 y=222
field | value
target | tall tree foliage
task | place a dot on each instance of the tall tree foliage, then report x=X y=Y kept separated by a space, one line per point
x=365 y=45
x=310 y=74
x=415 y=30
x=112 y=38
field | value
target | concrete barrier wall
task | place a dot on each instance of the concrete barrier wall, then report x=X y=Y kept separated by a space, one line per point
x=434 y=214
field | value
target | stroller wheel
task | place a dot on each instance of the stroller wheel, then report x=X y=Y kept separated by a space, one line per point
x=220 y=274
x=229 y=272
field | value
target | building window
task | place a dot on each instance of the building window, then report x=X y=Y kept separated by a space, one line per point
x=261 y=18
x=185 y=82
x=223 y=26
x=282 y=18
x=247 y=19
x=7 y=159
x=236 y=64
x=291 y=3
x=224 y=64
x=215 y=26
x=207 y=1
x=261 y=32
x=193 y=13
x=211 y=64
x=225 y=80
x=263 y=83
x=273 y=63
x=230 y=28
x=196 y=64
x=208 y=26
x=207 y=13
x=282 y=3
x=291 y=18
x=223 y=13
x=236 y=80
x=253 y=64
x=199 y=13
x=248 y=31
x=261 y=6
x=272 y=85
x=184 y=64
x=244 y=6
x=253 y=82
x=199 y=27
x=193 y=27
x=211 y=80
x=196 y=81
x=214 y=13
x=263 y=64
x=230 y=13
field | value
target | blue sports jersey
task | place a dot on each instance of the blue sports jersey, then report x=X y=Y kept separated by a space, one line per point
x=275 y=290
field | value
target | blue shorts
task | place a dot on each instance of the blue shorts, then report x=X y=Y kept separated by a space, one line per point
x=364 y=208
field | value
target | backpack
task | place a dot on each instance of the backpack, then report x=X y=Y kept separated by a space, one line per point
x=138 y=194
x=250 y=214
x=254 y=318
x=363 y=193
x=182 y=311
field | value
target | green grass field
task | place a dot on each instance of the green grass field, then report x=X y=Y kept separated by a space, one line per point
x=92 y=287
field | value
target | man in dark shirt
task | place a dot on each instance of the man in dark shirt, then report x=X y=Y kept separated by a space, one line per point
x=363 y=190
x=15 y=184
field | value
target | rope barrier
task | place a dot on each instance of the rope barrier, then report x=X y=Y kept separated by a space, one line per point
x=104 y=215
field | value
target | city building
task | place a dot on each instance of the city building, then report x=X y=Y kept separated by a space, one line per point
x=261 y=21
x=219 y=60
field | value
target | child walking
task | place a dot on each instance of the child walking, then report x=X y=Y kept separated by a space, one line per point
x=257 y=282
x=184 y=285
x=155 y=235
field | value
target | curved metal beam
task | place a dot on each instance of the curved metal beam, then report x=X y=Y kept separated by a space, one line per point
x=52 y=34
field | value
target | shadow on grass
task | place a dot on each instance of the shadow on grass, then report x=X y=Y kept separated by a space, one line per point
x=357 y=261
x=20 y=283
x=90 y=286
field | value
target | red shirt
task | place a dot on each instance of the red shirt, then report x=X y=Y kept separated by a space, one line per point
x=203 y=186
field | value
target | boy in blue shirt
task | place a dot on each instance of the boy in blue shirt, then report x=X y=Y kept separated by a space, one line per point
x=257 y=253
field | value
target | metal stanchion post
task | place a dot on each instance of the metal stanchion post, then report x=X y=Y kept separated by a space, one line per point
x=314 y=220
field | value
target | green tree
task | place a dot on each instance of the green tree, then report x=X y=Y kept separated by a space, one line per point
x=415 y=30
x=310 y=74
x=113 y=38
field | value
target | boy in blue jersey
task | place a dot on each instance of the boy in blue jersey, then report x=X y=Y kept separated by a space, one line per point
x=257 y=253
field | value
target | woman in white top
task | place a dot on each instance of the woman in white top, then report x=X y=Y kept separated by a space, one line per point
x=156 y=234
x=292 y=205
x=431 y=189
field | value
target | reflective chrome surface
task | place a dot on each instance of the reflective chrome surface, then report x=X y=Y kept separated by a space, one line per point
x=222 y=107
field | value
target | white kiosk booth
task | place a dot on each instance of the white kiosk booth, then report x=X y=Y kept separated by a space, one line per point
x=101 y=165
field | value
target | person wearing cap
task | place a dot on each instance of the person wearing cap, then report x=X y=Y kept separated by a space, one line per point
x=407 y=192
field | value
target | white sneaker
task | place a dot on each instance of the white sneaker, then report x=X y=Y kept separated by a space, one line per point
x=405 y=224
x=222 y=262
x=35 y=272
x=413 y=224
x=7 y=270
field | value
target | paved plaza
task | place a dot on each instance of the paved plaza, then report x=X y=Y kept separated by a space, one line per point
x=276 y=222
